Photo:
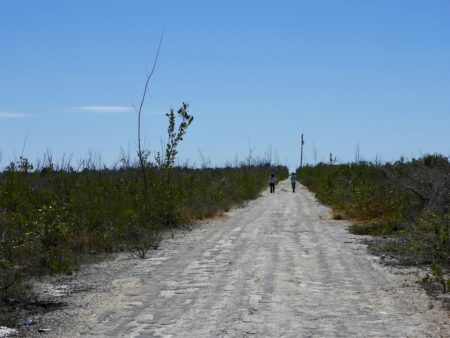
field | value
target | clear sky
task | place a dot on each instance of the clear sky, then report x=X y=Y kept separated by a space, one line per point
x=373 y=73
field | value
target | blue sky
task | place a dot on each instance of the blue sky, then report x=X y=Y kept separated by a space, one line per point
x=373 y=73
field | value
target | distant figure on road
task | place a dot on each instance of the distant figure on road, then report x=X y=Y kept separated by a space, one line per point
x=272 y=180
x=293 y=181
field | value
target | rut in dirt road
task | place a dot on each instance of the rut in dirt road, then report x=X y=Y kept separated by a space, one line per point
x=277 y=268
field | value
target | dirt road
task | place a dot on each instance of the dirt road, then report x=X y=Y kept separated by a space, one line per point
x=280 y=267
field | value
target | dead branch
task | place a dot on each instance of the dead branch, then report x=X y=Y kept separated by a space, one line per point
x=142 y=157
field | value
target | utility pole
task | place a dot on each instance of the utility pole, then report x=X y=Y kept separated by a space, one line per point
x=301 y=153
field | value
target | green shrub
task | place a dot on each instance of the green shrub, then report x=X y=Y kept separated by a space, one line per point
x=50 y=218
x=409 y=200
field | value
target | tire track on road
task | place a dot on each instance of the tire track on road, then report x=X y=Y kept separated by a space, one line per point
x=279 y=267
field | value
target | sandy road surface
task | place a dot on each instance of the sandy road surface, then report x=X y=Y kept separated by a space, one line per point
x=276 y=268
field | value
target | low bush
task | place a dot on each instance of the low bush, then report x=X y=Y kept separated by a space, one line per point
x=49 y=218
x=407 y=200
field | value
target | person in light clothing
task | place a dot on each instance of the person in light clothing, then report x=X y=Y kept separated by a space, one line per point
x=272 y=181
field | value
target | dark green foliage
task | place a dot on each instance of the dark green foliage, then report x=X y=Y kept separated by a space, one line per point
x=174 y=137
x=360 y=191
x=50 y=218
x=407 y=200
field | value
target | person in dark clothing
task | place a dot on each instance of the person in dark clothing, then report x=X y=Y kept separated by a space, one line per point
x=293 y=181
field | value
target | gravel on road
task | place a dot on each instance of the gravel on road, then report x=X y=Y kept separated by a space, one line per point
x=278 y=267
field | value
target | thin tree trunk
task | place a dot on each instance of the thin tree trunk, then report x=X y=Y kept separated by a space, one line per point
x=141 y=156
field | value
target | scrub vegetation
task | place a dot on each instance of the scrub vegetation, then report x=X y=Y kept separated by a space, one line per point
x=406 y=204
x=54 y=216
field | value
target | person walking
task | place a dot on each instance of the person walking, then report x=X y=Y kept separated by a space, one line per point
x=272 y=180
x=293 y=181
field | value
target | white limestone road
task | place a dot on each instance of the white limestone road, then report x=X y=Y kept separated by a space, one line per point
x=279 y=267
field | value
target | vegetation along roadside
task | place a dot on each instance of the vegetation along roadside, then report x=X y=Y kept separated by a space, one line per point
x=405 y=204
x=54 y=216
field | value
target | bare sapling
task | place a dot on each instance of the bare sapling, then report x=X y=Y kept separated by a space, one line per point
x=358 y=157
x=205 y=162
x=268 y=155
x=315 y=153
x=141 y=153
x=251 y=150
x=302 y=143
